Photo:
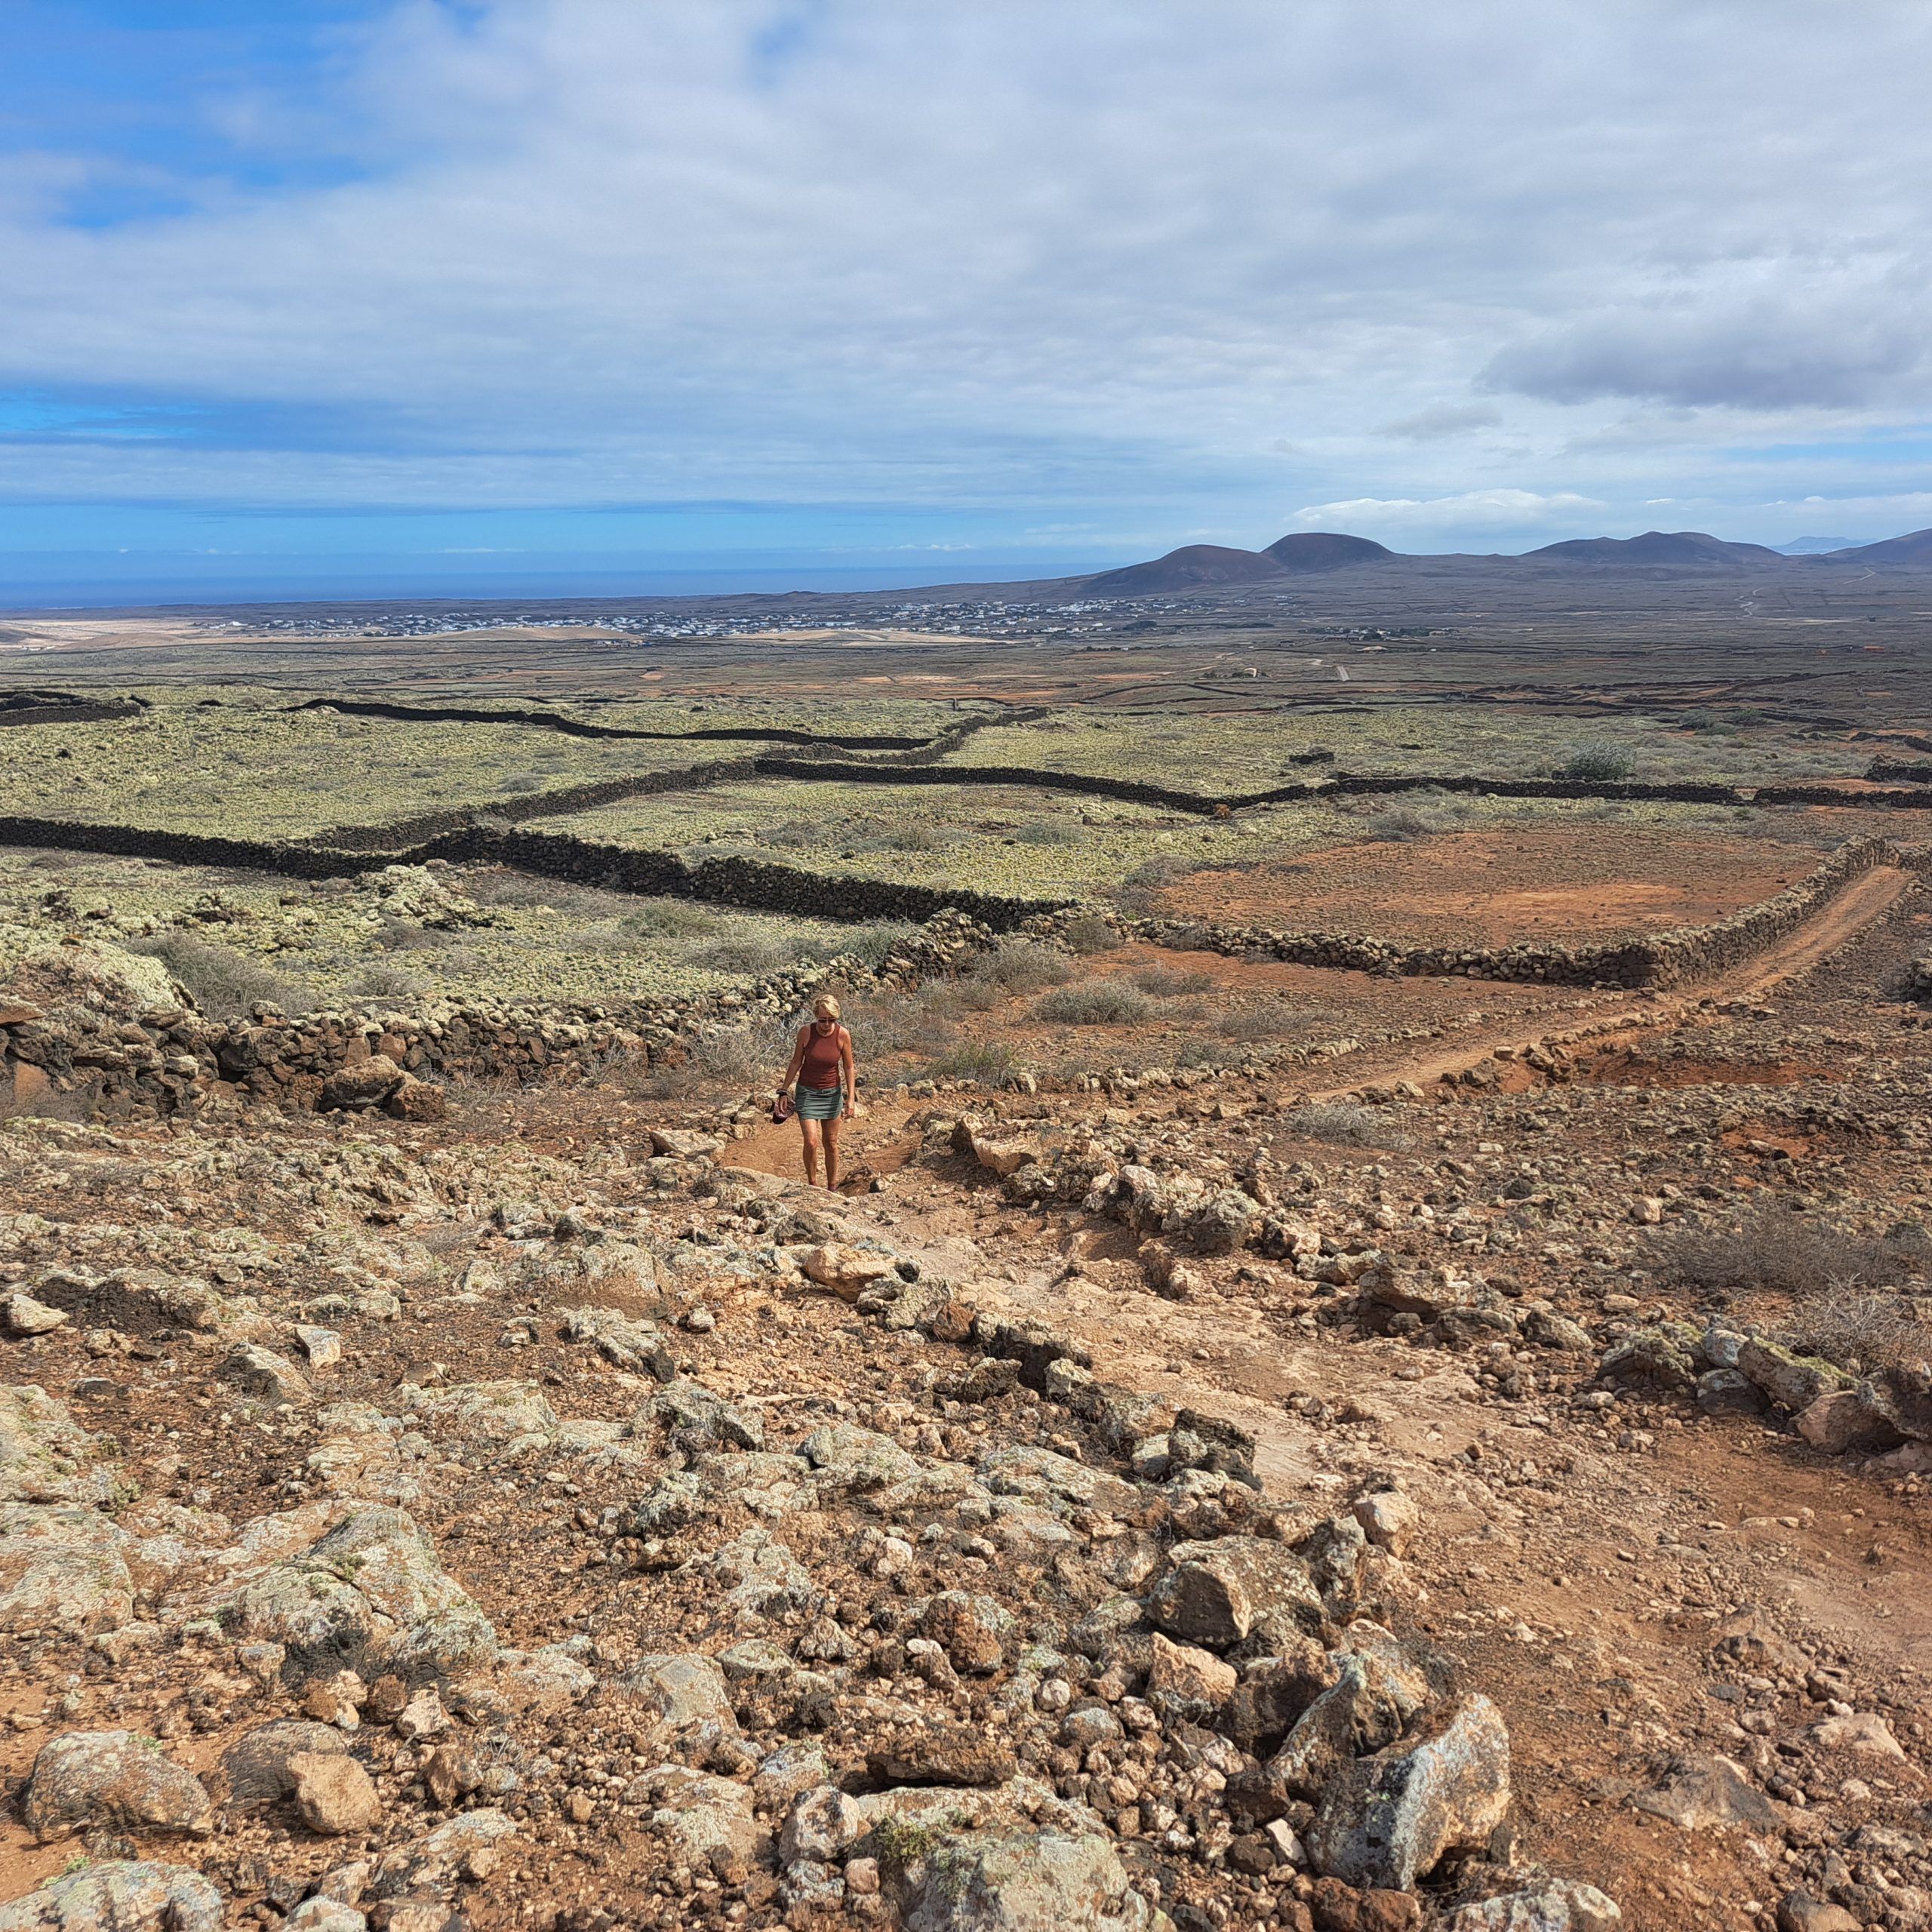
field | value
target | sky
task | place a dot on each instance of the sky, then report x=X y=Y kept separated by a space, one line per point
x=442 y=296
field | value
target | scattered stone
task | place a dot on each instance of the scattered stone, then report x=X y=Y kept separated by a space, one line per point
x=333 y=1793
x=1701 y=1791
x=25 y=1316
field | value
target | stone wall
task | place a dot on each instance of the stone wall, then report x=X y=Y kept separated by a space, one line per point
x=1661 y=959
x=749 y=885
x=160 y=1061
x=578 y=727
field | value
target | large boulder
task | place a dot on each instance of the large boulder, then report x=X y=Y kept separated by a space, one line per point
x=1376 y=1692
x=118 y=1778
x=1386 y=1820
x=362 y=1085
x=371 y=1594
x=1215 y=1593
x=1791 y=1381
x=258 y=1763
x=1024 y=1881
x=118 y=1895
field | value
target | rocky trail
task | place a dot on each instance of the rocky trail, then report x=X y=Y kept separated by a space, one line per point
x=1490 y=1494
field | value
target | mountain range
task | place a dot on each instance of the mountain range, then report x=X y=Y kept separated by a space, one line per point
x=1204 y=566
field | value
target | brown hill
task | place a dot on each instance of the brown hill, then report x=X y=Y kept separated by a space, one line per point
x=1678 y=548
x=1916 y=548
x=1191 y=568
x=1326 y=550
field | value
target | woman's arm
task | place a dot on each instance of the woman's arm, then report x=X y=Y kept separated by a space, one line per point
x=797 y=1061
x=851 y=1077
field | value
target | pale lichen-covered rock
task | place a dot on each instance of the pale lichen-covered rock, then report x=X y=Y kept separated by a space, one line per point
x=1387 y=1820
x=623 y=1340
x=1559 y=1908
x=45 y=1456
x=372 y=1594
x=504 y=1419
x=1704 y=1789
x=684 y=1689
x=1024 y=1881
x=260 y=1371
x=1791 y=1380
x=703 y=1816
x=64 y=1569
x=848 y=1458
x=118 y=1895
x=112 y=1777
x=696 y=1419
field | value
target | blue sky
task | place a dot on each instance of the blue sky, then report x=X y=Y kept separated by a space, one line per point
x=380 y=296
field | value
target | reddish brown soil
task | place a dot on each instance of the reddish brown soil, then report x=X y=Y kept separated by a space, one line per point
x=1492 y=888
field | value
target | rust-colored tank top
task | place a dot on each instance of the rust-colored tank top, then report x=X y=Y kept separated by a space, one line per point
x=820 y=1065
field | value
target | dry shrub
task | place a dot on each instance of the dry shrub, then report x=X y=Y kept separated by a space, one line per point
x=1789 y=1253
x=1089 y=934
x=1173 y=981
x=1346 y=1125
x=988 y=1061
x=384 y=982
x=1020 y=966
x=1861 y=1329
x=746 y=954
x=1095 y=1003
x=225 y=984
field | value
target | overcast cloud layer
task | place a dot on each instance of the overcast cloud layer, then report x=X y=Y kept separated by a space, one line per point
x=712 y=278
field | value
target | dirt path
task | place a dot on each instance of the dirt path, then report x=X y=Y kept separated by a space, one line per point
x=1866 y=901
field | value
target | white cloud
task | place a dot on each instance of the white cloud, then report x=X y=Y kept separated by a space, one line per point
x=1023 y=256
x=1500 y=511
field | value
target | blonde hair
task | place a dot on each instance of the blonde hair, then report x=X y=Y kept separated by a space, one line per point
x=825 y=1007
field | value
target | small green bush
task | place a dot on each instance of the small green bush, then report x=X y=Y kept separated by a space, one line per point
x=1861 y=1330
x=1789 y=1254
x=746 y=956
x=382 y=982
x=1602 y=761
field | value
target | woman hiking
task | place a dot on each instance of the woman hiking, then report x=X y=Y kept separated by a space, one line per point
x=819 y=1082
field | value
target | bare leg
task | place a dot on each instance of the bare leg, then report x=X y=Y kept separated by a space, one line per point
x=831 y=1127
x=809 y=1129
